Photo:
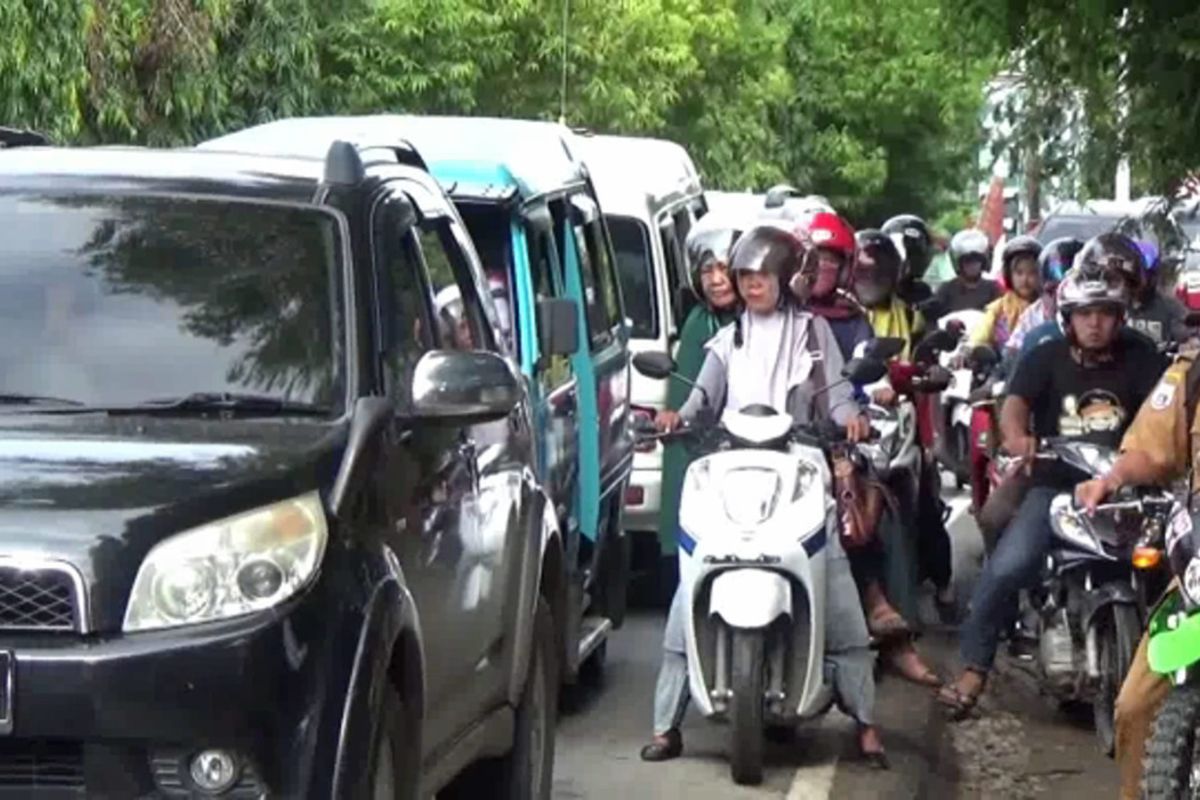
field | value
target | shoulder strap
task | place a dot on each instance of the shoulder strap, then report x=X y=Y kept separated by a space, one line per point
x=818 y=373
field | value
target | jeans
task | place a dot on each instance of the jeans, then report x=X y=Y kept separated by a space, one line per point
x=1014 y=565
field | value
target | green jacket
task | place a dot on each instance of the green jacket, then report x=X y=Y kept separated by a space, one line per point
x=700 y=326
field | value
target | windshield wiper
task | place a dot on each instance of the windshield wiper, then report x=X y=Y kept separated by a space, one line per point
x=35 y=400
x=225 y=403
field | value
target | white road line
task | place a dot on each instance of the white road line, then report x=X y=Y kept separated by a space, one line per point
x=813 y=783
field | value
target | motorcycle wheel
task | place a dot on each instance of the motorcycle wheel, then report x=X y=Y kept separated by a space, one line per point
x=1118 y=637
x=1171 y=752
x=746 y=711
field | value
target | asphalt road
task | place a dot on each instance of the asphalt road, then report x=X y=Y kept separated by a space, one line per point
x=1021 y=747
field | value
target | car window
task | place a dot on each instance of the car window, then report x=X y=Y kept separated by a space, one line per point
x=635 y=271
x=603 y=305
x=403 y=308
x=673 y=259
x=546 y=278
x=118 y=299
x=683 y=225
x=491 y=231
x=459 y=319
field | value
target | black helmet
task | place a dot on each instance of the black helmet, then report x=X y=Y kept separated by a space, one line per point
x=1113 y=252
x=1056 y=259
x=1017 y=247
x=707 y=244
x=918 y=243
x=770 y=249
x=877 y=264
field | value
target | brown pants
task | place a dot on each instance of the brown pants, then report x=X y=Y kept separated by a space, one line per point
x=1141 y=694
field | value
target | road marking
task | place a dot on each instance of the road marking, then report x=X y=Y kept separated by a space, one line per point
x=813 y=783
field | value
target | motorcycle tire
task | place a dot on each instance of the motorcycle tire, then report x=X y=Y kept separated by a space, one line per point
x=1171 y=751
x=746 y=711
x=1117 y=639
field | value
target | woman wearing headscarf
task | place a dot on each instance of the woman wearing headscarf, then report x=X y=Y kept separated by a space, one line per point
x=778 y=356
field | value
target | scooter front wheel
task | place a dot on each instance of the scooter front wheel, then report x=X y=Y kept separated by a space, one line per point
x=746 y=712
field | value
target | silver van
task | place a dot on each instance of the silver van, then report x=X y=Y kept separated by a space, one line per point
x=650 y=194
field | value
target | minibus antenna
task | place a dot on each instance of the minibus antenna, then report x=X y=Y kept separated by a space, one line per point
x=562 y=95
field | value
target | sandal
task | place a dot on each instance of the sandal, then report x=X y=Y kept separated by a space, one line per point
x=906 y=662
x=958 y=703
x=886 y=622
x=664 y=748
x=876 y=759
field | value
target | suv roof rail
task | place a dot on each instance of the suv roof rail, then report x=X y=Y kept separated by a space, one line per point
x=408 y=155
x=777 y=195
x=343 y=165
x=15 y=137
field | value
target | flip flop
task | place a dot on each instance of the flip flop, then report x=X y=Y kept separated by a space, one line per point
x=913 y=668
x=958 y=703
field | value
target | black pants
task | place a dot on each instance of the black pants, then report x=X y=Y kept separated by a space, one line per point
x=933 y=540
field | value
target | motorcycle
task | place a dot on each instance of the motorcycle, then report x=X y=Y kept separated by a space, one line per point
x=1172 y=764
x=756 y=513
x=952 y=423
x=984 y=400
x=1092 y=596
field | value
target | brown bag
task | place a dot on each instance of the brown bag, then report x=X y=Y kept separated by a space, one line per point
x=859 y=503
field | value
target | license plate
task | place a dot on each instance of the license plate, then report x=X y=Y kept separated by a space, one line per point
x=7 y=671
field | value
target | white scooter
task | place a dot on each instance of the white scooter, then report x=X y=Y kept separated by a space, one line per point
x=756 y=514
x=954 y=423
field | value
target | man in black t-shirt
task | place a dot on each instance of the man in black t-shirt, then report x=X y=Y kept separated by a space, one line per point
x=970 y=252
x=1088 y=385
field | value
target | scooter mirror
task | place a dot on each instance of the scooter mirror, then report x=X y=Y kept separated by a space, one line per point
x=654 y=365
x=936 y=341
x=884 y=348
x=864 y=370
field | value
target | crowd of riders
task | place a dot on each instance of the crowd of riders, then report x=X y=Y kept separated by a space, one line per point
x=1083 y=335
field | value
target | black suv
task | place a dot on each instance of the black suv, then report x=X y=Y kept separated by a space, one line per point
x=267 y=520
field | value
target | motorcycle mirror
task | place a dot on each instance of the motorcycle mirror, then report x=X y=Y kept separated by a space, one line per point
x=864 y=370
x=936 y=341
x=983 y=357
x=884 y=348
x=658 y=366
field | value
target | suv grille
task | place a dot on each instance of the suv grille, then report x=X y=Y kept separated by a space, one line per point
x=42 y=599
x=28 y=764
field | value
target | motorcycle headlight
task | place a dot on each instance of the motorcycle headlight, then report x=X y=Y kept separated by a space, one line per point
x=235 y=566
x=1072 y=525
x=750 y=495
x=1191 y=583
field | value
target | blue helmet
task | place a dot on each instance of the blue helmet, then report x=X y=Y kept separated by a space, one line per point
x=1056 y=259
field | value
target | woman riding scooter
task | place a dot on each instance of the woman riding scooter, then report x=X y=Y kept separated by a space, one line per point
x=774 y=355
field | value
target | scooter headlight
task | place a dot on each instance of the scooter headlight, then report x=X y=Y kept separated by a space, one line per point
x=750 y=495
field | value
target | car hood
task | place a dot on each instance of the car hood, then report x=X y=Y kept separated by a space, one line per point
x=99 y=492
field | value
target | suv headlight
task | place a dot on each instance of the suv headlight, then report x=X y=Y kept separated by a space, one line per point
x=234 y=566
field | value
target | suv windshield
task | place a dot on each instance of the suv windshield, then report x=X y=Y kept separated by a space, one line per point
x=1081 y=227
x=631 y=242
x=120 y=300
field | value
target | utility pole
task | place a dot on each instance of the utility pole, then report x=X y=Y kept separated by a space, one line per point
x=1121 y=187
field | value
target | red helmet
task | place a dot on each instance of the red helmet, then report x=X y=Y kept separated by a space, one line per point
x=826 y=229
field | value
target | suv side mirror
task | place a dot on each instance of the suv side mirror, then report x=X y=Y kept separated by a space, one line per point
x=558 y=326
x=467 y=386
x=654 y=365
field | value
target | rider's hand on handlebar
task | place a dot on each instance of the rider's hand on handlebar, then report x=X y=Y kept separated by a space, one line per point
x=1090 y=494
x=858 y=429
x=1022 y=447
x=884 y=396
x=666 y=421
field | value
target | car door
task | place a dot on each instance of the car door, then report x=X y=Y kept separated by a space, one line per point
x=429 y=488
x=603 y=370
x=553 y=376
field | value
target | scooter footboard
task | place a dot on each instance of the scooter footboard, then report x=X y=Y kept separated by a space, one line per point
x=750 y=598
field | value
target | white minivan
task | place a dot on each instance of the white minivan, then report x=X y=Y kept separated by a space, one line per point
x=650 y=194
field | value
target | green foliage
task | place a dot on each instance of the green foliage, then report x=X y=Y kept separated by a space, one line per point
x=862 y=100
x=1089 y=49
